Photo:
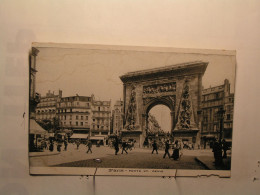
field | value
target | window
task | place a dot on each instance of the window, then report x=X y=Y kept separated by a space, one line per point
x=98 y=108
x=93 y=120
x=70 y=117
x=77 y=117
x=77 y=123
x=65 y=117
x=86 y=117
x=228 y=117
x=81 y=117
x=81 y=123
x=70 y=123
x=77 y=103
x=98 y=126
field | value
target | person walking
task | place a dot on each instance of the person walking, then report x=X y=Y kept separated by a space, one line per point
x=59 y=144
x=51 y=146
x=225 y=148
x=89 y=145
x=65 y=145
x=77 y=143
x=167 y=147
x=217 y=150
x=176 y=151
x=116 y=143
x=155 y=147
x=124 y=146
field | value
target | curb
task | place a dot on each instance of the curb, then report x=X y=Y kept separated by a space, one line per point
x=49 y=154
x=201 y=162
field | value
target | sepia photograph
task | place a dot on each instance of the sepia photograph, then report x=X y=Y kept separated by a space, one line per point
x=125 y=110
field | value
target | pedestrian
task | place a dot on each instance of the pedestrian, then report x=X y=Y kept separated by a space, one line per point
x=167 y=147
x=77 y=143
x=217 y=150
x=51 y=146
x=176 y=151
x=155 y=147
x=116 y=143
x=59 y=144
x=225 y=148
x=89 y=144
x=124 y=146
x=65 y=145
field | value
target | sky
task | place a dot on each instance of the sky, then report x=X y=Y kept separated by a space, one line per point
x=85 y=72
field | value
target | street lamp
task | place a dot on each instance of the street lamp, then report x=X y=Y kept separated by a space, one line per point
x=220 y=114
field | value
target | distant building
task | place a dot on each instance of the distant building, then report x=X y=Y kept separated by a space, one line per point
x=228 y=118
x=117 y=117
x=101 y=119
x=153 y=125
x=46 y=108
x=214 y=99
x=34 y=97
x=75 y=114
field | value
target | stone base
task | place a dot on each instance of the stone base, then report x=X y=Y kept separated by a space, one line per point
x=190 y=136
x=133 y=134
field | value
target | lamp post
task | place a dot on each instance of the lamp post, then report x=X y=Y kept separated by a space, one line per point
x=221 y=113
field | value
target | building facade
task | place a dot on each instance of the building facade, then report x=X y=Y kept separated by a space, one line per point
x=34 y=96
x=215 y=99
x=75 y=113
x=46 y=108
x=117 y=117
x=228 y=118
x=101 y=121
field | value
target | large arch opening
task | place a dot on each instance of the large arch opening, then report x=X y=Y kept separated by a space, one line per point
x=159 y=120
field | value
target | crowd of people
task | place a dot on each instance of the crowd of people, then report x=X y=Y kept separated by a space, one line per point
x=175 y=146
x=219 y=149
x=125 y=145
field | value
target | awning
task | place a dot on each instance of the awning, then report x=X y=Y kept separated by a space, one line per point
x=96 y=138
x=35 y=128
x=79 y=136
x=209 y=136
x=228 y=140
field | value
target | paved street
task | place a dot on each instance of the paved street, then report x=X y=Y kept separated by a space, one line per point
x=137 y=158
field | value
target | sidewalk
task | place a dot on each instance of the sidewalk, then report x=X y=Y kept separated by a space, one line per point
x=208 y=163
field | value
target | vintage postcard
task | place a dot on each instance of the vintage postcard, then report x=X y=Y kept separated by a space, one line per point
x=134 y=111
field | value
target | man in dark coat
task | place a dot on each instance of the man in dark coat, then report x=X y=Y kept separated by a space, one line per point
x=65 y=145
x=155 y=148
x=225 y=148
x=167 y=147
x=89 y=144
x=217 y=150
x=124 y=146
x=116 y=143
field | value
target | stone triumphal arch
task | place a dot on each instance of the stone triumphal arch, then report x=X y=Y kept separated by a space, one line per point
x=178 y=87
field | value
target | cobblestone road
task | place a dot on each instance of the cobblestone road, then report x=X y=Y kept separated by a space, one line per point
x=137 y=158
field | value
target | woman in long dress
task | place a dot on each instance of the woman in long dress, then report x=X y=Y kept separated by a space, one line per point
x=176 y=151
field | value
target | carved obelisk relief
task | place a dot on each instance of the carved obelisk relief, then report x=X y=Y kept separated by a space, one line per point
x=131 y=115
x=185 y=114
